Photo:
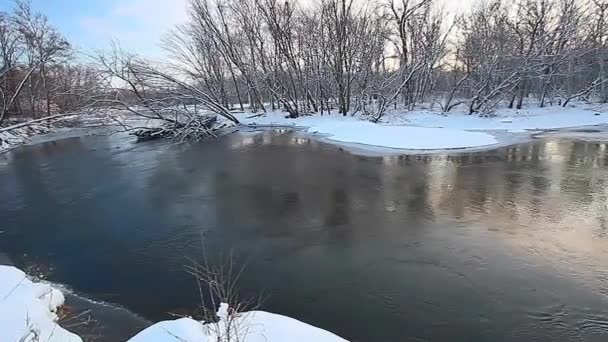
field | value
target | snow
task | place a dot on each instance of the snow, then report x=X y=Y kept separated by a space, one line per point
x=28 y=313
x=19 y=136
x=354 y=130
x=429 y=130
x=421 y=129
x=402 y=137
x=28 y=309
x=529 y=119
x=253 y=326
x=8 y=140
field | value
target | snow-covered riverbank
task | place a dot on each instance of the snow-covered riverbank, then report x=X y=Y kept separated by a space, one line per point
x=398 y=131
x=428 y=130
x=28 y=310
x=29 y=313
x=356 y=131
x=12 y=138
x=253 y=326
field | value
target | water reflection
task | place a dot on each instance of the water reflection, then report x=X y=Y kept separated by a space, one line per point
x=510 y=244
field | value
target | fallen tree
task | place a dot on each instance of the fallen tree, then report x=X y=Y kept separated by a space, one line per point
x=169 y=102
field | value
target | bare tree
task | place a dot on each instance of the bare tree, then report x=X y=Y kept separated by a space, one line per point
x=10 y=53
x=43 y=46
x=162 y=93
x=34 y=58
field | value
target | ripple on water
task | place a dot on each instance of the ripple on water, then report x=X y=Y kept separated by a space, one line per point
x=573 y=323
x=465 y=247
x=593 y=323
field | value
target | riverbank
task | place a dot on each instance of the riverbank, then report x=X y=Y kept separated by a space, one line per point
x=19 y=136
x=397 y=132
x=32 y=311
x=18 y=133
x=427 y=130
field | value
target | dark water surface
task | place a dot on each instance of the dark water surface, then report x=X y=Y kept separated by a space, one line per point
x=507 y=245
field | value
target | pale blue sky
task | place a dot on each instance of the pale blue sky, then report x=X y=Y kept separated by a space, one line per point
x=137 y=24
x=92 y=24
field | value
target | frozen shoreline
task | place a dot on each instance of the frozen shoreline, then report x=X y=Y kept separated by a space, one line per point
x=398 y=133
x=30 y=313
x=430 y=132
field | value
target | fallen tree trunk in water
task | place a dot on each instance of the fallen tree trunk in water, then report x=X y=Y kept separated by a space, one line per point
x=195 y=128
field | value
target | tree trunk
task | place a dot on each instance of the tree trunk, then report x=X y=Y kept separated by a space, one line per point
x=603 y=76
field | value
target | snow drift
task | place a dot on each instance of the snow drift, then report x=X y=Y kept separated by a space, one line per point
x=429 y=130
x=354 y=130
x=253 y=326
x=28 y=311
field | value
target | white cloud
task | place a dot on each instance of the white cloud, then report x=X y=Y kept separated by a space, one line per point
x=137 y=24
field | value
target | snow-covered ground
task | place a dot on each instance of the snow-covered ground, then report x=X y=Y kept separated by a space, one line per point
x=398 y=132
x=28 y=310
x=21 y=133
x=511 y=120
x=428 y=130
x=19 y=136
x=253 y=326
x=354 y=130
x=421 y=130
x=28 y=313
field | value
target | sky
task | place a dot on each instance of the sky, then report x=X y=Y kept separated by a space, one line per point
x=92 y=24
x=137 y=24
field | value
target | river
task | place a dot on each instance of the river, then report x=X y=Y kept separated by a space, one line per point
x=503 y=245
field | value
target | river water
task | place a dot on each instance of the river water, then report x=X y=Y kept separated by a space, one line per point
x=505 y=245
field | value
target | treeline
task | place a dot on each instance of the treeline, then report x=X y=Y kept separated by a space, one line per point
x=320 y=56
x=369 y=56
x=38 y=76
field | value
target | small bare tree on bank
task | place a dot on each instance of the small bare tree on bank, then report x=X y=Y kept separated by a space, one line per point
x=222 y=307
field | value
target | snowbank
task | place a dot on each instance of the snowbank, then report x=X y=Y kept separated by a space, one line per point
x=428 y=130
x=353 y=130
x=28 y=314
x=402 y=137
x=510 y=120
x=28 y=310
x=253 y=326
x=9 y=139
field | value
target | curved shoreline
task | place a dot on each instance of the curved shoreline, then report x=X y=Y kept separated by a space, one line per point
x=35 y=309
x=504 y=138
x=400 y=133
x=432 y=132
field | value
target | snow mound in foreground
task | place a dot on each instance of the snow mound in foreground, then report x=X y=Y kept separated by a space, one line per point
x=253 y=326
x=28 y=313
x=28 y=310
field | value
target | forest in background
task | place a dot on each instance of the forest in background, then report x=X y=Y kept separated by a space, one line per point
x=324 y=56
